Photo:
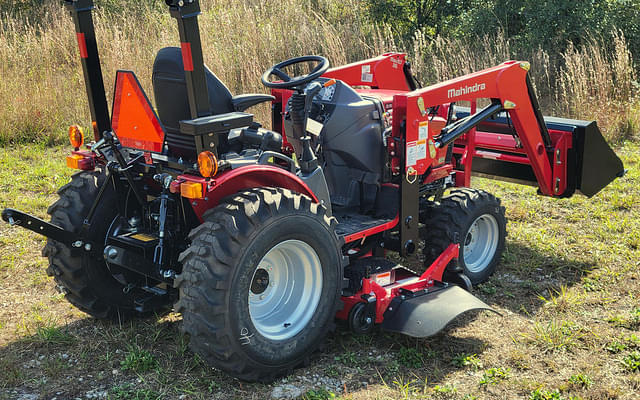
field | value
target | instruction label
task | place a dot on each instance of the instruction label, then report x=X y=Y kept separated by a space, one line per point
x=416 y=151
x=367 y=76
x=423 y=130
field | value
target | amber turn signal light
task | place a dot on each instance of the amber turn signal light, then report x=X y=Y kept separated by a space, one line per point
x=207 y=164
x=76 y=137
x=191 y=190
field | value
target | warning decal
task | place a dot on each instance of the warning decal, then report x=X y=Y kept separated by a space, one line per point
x=423 y=130
x=367 y=76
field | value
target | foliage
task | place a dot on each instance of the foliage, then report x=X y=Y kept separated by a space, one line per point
x=493 y=376
x=632 y=362
x=565 y=21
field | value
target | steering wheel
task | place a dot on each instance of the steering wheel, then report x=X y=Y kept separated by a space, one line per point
x=291 y=82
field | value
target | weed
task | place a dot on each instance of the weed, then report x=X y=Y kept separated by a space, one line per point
x=632 y=362
x=51 y=334
x=128 y=392
x=465 y=360
x=392 y=367
x=410 y=357
x=319 y=394
x=542 y=394
x=445 y=391
x=488 y=288
x=615 y=347
x=138 y=360
x=347 y=358
x=580 y=380
x=493 y=376
x=632 y=321
x=554 y=335
x=633 y=340
x=562 y=300
x=591 y=284
x=407 y=388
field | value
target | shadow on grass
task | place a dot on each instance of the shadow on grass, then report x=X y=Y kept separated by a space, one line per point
x=525 y=274
x=113 y=356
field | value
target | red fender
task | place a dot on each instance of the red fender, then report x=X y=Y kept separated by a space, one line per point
x=248 y=177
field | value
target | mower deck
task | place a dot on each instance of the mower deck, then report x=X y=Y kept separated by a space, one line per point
x=425 y=314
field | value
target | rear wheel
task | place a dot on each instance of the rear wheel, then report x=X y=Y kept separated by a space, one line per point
x=84 y=277
x=475 y=220
x=261 y=283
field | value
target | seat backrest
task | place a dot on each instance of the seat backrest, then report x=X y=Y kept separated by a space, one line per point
x=170 y=89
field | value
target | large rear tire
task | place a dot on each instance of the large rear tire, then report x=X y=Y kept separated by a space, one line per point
x=261 y=283
x=84 y=277
x=474 y=219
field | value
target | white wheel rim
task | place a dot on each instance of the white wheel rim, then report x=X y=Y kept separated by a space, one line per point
x=285 y=290
x=481 y=243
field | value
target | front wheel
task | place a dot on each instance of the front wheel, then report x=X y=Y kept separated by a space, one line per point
x=475 y=220
x=261 y=283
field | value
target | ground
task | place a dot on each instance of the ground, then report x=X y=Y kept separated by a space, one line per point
x=567 y=290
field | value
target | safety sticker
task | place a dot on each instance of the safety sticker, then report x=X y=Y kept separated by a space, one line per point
x=423 y=130
x=416 y=151
x=367 y=76
x=412 y=153
x=422 y=149
x=314 y=127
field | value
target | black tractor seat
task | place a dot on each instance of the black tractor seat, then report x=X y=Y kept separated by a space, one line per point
x=172 y=103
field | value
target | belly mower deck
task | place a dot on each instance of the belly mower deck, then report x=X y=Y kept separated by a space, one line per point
x=423 y=315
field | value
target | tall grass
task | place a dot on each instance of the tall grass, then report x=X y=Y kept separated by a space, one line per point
x=596 y=82
x=42 y=90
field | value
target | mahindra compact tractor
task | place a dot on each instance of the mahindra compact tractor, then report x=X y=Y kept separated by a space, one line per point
x=262 y=238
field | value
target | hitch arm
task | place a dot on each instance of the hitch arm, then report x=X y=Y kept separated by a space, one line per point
x=15 y=217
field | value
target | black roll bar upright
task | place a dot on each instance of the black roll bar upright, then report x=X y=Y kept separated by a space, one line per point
x=186 y=13
x=80 y=11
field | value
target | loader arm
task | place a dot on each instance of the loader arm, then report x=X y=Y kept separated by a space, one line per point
x=558 y=157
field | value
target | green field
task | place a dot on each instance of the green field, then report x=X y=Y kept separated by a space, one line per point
x=567 y=290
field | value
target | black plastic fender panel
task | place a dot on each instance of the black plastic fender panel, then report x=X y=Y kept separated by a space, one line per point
x=427 y=314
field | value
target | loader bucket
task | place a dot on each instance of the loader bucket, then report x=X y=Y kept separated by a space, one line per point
x=591 y=163
x=596 y=165
x=425 y=315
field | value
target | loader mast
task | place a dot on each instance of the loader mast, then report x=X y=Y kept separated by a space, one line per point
x=85 y=32
x=186 y=13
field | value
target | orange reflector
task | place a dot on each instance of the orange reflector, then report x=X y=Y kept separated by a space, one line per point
x=76 y=137
x=191 y=190
x=207 y=164
x=134 y=121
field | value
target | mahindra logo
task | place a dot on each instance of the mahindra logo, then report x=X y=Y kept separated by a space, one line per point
x=466 y=90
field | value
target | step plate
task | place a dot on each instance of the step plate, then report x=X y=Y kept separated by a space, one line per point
x=428 y=314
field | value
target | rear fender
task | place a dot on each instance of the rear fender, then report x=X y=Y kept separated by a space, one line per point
x=248 y=177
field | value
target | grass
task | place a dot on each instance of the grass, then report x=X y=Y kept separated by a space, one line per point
x=241 y=39
x=553 y=338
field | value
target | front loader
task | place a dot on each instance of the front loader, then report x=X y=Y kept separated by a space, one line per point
x=262 y=238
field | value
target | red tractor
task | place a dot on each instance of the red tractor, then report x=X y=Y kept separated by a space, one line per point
x=260 y=237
